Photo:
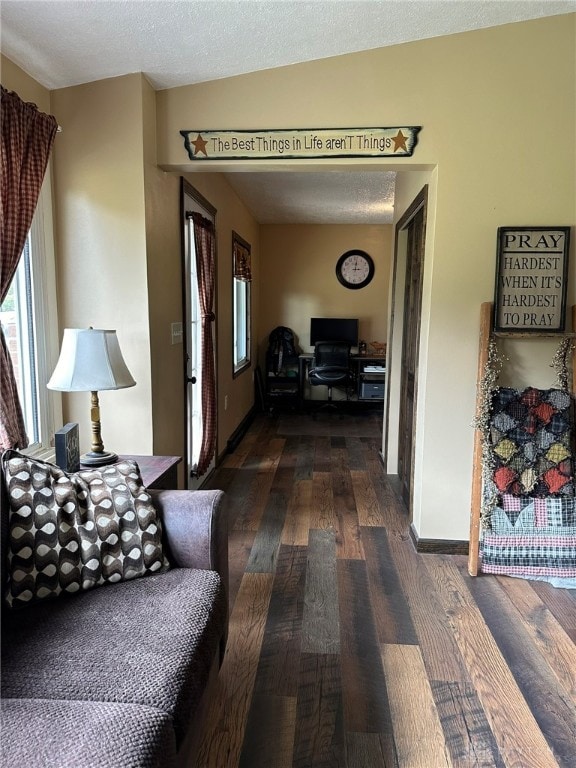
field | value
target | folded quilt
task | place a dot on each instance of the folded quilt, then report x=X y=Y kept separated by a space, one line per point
x=531 y=536
x=531 y=437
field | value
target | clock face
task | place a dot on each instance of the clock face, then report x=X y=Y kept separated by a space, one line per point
x=355 y=269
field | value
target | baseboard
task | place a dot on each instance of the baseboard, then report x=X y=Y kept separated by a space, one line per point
x=438 y=546
x=240 y=431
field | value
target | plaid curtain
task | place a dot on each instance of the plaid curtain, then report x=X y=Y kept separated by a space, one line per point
x=27 y=138
x=204 y=242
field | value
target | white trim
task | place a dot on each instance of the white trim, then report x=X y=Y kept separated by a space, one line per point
x=45 y=320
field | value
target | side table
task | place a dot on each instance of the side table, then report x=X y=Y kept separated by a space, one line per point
x=158 y=472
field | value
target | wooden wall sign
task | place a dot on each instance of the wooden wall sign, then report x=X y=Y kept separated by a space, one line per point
x=300 y=143
x=531 y=279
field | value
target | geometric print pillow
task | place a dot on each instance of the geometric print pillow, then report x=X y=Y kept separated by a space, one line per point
x=75 y=531
x=532 y=442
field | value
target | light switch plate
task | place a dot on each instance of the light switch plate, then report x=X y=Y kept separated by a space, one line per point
x=176 y=333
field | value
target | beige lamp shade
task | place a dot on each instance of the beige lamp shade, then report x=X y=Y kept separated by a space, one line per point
x=90 y=361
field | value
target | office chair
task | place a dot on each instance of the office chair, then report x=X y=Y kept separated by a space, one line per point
x=331 y=367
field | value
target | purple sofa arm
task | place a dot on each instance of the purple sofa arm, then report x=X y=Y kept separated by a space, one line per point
x=195 y=529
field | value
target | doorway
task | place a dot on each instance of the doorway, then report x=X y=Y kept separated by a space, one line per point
x=193 y=202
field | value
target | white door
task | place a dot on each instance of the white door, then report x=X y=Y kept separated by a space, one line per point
x=193 y=203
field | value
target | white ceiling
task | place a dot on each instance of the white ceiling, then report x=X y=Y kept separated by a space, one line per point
x=178 y=42
x=317 y=198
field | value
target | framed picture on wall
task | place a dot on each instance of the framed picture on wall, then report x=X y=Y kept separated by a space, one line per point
x=531 y=280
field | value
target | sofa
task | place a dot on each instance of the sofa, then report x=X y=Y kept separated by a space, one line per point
x=118 y=676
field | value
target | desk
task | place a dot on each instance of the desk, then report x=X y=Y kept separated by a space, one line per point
x=358 y=363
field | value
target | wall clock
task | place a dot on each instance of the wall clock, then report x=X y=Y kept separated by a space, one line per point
x=355 y=269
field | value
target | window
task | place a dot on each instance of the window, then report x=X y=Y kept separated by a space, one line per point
x=28 y=316
x=241 y=324
x=241 y=311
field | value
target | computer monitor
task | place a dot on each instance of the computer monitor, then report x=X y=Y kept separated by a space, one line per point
x=334 y=329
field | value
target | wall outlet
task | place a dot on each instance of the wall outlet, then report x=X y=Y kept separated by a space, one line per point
x=225 y=402
x=176 y=333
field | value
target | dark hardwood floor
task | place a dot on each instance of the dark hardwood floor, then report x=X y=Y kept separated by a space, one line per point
x=349 y=649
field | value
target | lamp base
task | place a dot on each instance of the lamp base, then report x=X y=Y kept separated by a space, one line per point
x=94 y=459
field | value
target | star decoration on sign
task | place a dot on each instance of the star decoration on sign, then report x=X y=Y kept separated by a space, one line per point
x=200 y=145
x=400 y=142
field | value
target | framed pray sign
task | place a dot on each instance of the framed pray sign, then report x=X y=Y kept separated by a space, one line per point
x=531 y=280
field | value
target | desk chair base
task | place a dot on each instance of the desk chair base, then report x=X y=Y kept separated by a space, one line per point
x=330 y=405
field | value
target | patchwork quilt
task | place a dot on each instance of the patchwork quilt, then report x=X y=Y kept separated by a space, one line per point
x=532 y=531
x=531 y=436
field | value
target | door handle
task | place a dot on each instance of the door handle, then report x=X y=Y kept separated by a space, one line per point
x=189 y=379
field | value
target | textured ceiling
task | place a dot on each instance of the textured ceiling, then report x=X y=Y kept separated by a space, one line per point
x=178 y=42
x=311 y=198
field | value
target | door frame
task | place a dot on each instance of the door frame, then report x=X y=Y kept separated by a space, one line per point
x=186 y=189
x=420 y=203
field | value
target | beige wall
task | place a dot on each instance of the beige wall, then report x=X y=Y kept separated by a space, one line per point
x=101 y=244
x=137 y=285
x=497 y=110
x=98 y=196
x=15 y=79
x=119 y=259
x=298 y=279
x=164 y=273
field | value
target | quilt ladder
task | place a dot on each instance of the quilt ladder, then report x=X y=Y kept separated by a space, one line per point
x=486 y=329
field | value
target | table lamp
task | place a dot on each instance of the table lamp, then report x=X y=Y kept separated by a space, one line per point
x=90 y=361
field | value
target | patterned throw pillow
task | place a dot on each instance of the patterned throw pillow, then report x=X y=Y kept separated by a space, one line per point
x=72 y=532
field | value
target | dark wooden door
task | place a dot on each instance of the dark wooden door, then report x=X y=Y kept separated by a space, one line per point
x=415 y=231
